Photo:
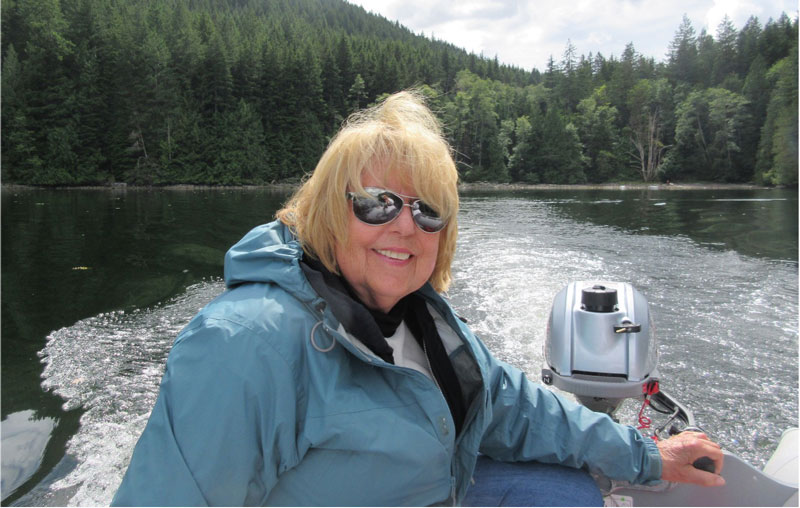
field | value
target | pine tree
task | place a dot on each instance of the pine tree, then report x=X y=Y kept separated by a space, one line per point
x=726 y=54
x=20 y=159
x=682 y=55
x=357 y=95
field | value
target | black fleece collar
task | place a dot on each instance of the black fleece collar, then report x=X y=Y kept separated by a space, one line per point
x=372 y=327
x=348 y=309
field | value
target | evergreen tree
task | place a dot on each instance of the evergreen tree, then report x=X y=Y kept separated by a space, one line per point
x=20 y=159
x=777 y=39
x=332 y=91
x=682 y=55
x=570 y=86
x=44 y=113
x=357 y=95
x=622 y=80
x=756 y=90
x=726 y=56
x=560 y=158
x=521 y=161
x=706 y=58
x=747 y=45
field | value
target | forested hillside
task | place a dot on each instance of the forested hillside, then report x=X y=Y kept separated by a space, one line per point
x=249 y=92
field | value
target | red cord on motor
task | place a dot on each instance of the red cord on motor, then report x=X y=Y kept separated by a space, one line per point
x=651 y=388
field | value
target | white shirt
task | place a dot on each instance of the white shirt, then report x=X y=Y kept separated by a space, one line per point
x=407 y=351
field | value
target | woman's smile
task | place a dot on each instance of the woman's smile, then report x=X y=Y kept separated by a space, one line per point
x=394 y=254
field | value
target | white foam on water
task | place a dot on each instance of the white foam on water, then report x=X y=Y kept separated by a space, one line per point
x=111 y=366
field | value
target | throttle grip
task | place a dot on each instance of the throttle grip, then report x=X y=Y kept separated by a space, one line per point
x=705 y=464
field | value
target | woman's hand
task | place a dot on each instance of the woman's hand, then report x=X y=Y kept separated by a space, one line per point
x=680 y=451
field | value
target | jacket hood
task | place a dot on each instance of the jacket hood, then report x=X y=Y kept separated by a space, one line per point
x=268 y=253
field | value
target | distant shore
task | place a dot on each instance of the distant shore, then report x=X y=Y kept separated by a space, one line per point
x=463 y=186
x=479 y=186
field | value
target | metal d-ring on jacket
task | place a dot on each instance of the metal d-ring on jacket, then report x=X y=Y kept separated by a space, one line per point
x=267 y=400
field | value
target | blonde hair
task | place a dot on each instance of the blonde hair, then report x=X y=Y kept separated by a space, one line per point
x=399 y=135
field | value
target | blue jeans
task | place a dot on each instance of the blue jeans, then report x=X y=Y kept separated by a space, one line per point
x=530 y=484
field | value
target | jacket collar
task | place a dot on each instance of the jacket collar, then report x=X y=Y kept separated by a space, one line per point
x=350 y=312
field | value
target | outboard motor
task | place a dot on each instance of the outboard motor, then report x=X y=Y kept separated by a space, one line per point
x=600 y=344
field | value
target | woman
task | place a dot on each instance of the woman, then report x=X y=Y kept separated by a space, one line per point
x=332 y=372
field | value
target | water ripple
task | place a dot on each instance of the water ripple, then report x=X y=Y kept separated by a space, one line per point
x=111 y=366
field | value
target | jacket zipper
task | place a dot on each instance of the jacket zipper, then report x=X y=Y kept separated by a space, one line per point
x=430 y=369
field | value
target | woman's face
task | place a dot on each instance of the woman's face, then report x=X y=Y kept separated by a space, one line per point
x=387 y=262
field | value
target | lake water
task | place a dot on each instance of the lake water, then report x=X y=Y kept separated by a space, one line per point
x=96 y=284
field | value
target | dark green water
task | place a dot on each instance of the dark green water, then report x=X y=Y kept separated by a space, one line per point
x=761 y=223
x=75 y=255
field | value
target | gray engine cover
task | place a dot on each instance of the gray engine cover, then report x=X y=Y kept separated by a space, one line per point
x=587 y=355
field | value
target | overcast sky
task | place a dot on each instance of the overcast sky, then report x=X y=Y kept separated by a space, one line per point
x=526 y=32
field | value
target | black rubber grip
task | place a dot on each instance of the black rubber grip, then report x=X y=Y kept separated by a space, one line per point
x=705 y=464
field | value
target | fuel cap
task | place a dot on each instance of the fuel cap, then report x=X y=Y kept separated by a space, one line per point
x=599 y=298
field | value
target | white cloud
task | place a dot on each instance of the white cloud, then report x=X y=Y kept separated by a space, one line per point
x=525 y=33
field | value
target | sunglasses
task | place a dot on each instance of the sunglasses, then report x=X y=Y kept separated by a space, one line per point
x=383 y=206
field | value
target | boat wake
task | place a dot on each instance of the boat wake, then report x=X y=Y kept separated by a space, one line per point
x=111 y=366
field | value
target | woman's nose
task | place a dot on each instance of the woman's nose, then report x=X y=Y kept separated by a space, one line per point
x=405 y=222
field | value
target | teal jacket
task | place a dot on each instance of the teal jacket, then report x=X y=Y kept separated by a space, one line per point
x=267 y=400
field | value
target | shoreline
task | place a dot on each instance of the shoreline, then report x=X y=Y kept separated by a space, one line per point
x=480 y=186
x=462 y=186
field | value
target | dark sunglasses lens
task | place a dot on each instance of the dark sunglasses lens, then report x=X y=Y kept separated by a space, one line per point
x=380 y=208
x=426 y=218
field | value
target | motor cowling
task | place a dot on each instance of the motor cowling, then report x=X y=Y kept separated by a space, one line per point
x=600 y=344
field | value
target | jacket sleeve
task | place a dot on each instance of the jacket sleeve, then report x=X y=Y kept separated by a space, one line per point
x=220 y=433
x=529 y=422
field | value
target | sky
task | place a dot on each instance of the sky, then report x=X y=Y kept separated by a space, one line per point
x=525 y=33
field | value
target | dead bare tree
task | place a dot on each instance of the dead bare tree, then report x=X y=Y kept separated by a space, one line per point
x=645 y=136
